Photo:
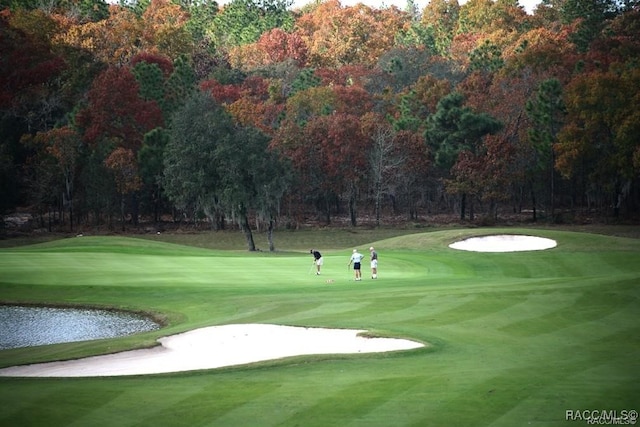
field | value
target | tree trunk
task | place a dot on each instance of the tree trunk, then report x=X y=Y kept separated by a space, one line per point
x=246 y=229
x=272 y=246
x=135 y=209
x=353 y=199
x=71 y=214
x=378 y=199
x=327 y=209
x=617 y=202
x=533 y=202
x=377 y=205
x=553 y=186
x=463 y=206
x=352 y=211
x=122 y=211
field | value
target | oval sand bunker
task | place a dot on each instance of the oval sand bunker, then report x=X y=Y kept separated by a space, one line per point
x=215 y=347
x=504 y=243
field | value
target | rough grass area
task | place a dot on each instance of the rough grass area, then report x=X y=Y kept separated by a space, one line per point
x=515 y=338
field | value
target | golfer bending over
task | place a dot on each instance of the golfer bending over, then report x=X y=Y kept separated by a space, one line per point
x=374 y=263
x=317 y=259
x=356 y=258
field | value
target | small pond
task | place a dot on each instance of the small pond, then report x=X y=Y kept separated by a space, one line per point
x=30 y=326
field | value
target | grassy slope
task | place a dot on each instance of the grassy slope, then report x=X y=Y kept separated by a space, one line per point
x=515 y=339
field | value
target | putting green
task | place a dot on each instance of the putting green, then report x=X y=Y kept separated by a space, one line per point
x=516 y=338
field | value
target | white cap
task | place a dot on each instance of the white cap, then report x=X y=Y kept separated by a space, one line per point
x=355 y=250
x=371 y=248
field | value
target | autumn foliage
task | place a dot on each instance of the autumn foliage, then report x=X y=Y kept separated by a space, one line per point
x=480 y=109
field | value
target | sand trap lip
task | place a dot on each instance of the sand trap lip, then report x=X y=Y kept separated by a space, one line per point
x=504 y=243
x=215 y=347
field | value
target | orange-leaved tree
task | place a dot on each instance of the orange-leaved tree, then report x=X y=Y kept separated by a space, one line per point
x=123 y=165
x=273 y=47
x=114 y=40
x=599 y=142
x=164 y=29
x=337 y=35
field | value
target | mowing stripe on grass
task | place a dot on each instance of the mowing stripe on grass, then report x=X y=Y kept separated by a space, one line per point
x=515 y=338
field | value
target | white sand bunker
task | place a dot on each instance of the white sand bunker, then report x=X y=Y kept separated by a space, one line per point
x=504 y=243
x=215 y=347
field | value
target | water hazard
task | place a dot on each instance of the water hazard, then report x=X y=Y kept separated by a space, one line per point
x=31 y=326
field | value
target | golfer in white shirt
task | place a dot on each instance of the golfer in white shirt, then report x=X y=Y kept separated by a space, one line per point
x=356 y=258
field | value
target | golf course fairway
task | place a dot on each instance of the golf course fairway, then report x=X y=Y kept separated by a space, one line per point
x=527 y=338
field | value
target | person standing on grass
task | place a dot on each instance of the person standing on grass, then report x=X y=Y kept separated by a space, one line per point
x=356 y=258
x=374 y=263
x=317 y=260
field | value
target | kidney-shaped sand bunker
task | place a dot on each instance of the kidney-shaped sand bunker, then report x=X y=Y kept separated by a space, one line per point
x=504 y=243
x=215 y=347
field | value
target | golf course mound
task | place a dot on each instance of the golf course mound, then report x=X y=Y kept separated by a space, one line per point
x=504 y=243
x=216 y=347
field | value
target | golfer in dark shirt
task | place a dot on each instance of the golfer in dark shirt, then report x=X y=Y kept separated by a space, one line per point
x=317 y=259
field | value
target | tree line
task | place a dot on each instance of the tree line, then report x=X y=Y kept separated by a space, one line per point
x=257 y=114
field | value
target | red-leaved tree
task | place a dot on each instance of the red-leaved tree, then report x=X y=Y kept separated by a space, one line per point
x=116 y=111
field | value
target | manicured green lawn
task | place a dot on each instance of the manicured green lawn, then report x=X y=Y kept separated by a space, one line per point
x=515 y=339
